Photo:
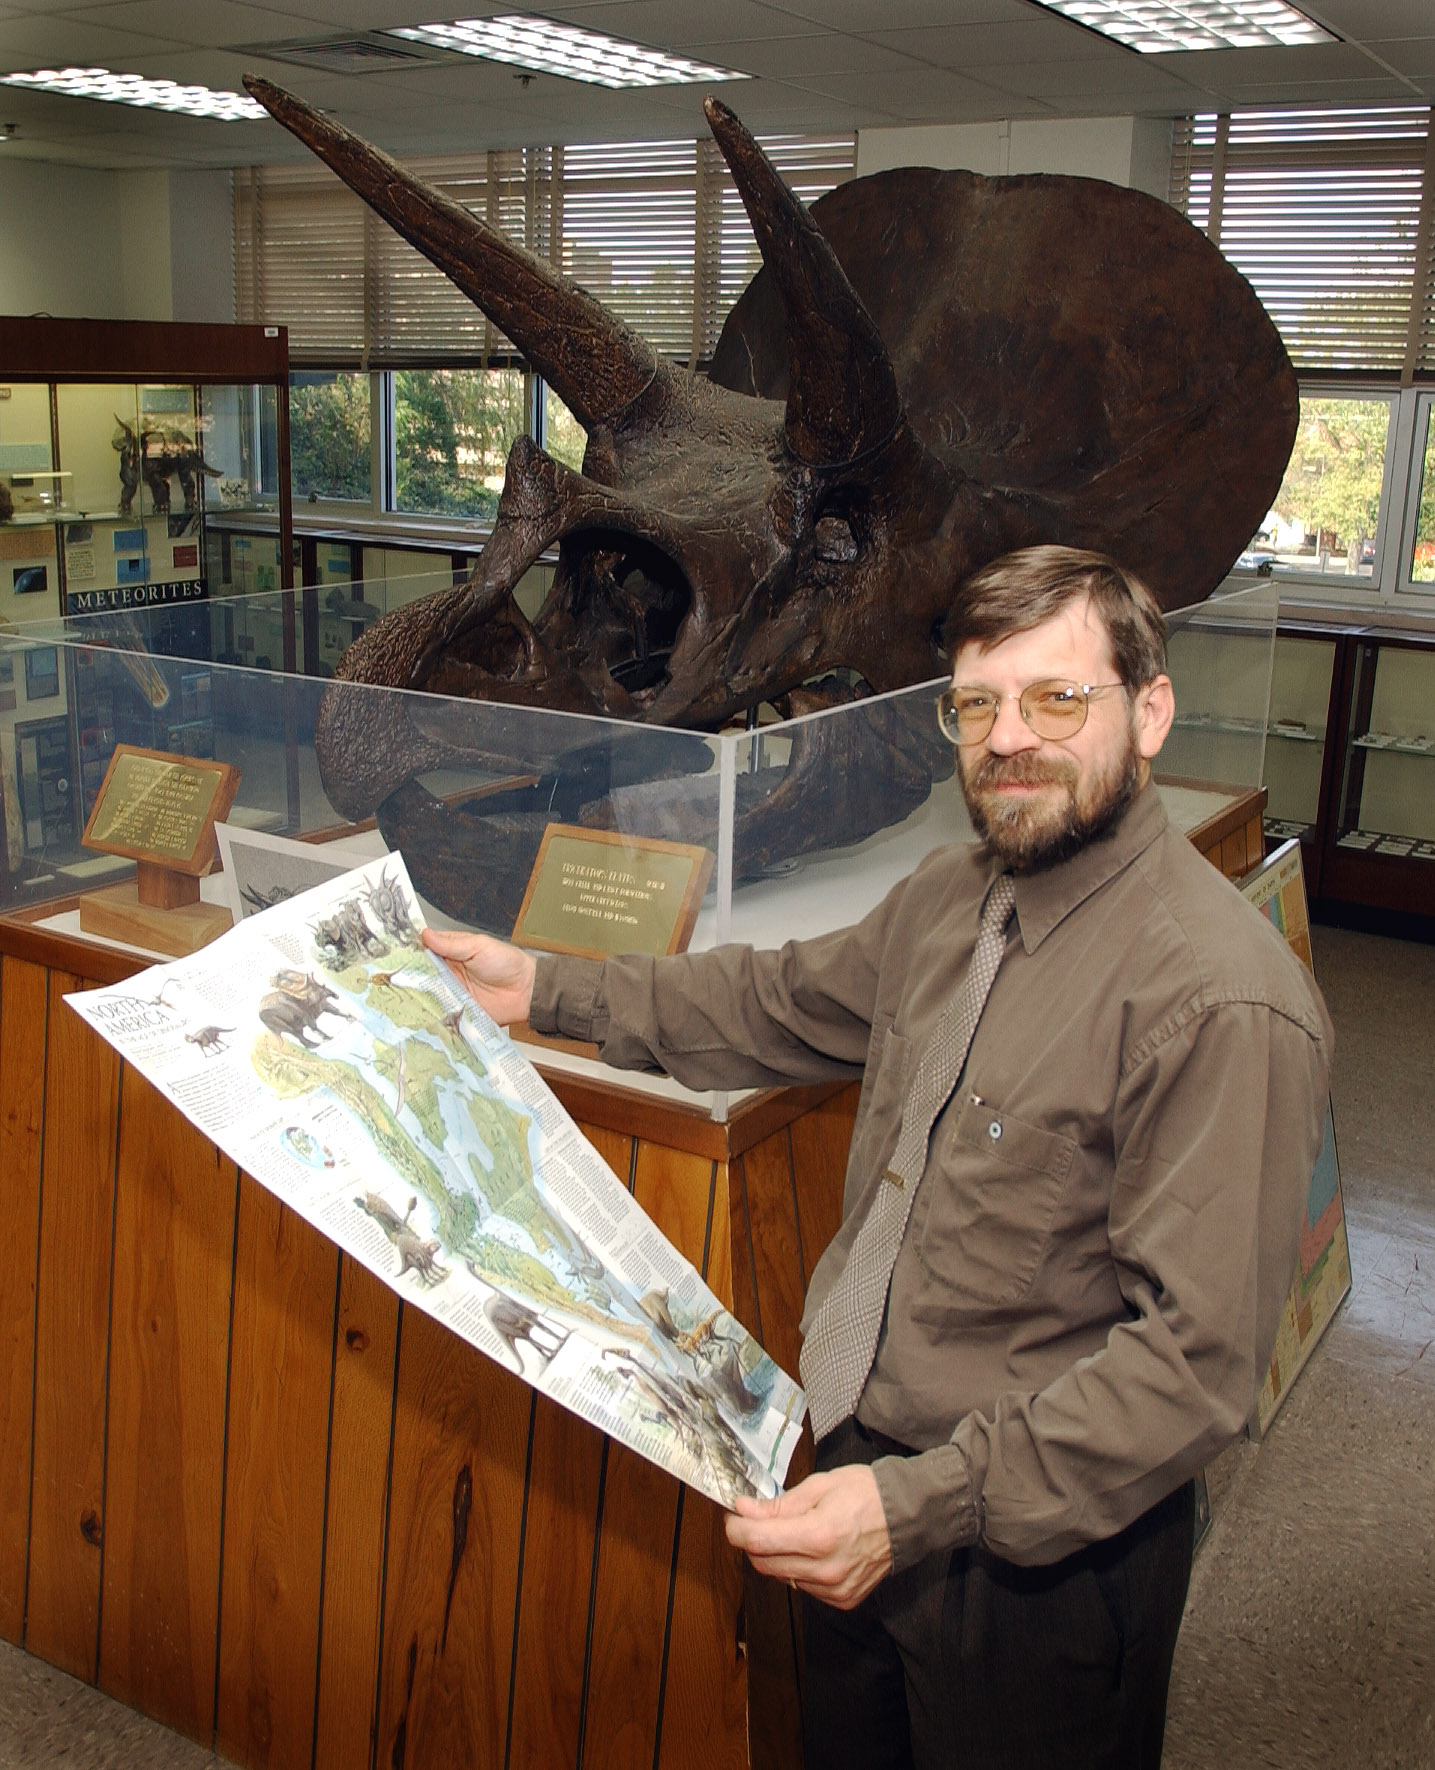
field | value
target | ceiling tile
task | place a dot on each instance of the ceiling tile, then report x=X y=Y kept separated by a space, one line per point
x=1337 y=92
x=28 y=42
x=890 y=15
x=1408 y=55
x=781 y=58
x=677 y=23
x=985 y=45
x=1132 y=81
x=1308 y=61
x=918 y=92
x=1364 y=19
x=214 y=23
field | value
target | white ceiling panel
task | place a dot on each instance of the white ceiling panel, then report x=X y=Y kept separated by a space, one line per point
x=986 y=45
x=1410 y=55
x=817 y=65
x=677 y=23
x=892 y=15
x=785 y=58
x=215 y=23
x=29 y=41
x=1372 y=18
x=1309 y=61
x=922 y=92
x=1136 y=82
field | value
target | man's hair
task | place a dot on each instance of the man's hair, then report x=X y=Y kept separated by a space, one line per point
x=1021 y=590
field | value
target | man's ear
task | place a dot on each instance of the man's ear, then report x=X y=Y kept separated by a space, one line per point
x=1155 y=709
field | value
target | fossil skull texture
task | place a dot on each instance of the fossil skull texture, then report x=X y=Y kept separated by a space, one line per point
x=931 y=369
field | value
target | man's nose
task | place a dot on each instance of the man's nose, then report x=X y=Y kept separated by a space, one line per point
x=1010 y=732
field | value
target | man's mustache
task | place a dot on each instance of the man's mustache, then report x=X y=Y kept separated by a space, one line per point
x=1025 y=769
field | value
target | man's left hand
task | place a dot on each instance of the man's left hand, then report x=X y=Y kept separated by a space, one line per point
x=828 y=1537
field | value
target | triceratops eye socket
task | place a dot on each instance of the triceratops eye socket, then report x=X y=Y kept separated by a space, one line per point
x=833 y=539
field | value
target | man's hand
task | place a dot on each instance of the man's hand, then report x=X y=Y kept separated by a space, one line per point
x=828 y=1536
x=498 y=976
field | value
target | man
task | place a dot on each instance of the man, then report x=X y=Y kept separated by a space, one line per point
x=1067 y=1236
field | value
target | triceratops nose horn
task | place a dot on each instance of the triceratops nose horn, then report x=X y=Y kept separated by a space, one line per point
x=842 y=398
x=592 y=361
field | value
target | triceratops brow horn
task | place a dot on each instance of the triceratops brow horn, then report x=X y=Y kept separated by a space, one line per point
x=593 y=362
x=842 y=398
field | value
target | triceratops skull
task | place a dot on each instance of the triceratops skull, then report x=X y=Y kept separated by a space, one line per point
x=948 y=367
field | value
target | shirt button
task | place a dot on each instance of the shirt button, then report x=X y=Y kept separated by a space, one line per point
x=994 y=1129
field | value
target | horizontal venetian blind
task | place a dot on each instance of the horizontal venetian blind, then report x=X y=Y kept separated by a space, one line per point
x=1327 y=213
x=654 y=229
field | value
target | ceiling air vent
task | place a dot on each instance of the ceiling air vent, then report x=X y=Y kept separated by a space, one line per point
x=365 y=52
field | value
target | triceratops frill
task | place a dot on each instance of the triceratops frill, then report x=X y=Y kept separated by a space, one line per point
x=932 y=369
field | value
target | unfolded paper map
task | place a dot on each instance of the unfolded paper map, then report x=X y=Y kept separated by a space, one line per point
x=336 y=1060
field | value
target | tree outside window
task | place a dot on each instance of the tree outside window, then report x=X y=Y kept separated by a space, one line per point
x=1329 y=502
x=329 y=431
x=453 y=429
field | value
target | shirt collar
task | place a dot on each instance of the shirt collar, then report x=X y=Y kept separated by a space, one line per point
x=1046 y=898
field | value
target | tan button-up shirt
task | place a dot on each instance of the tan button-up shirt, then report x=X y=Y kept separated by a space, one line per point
x=1089 y=1288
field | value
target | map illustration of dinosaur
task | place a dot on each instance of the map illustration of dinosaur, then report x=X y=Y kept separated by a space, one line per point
x=355 y=1078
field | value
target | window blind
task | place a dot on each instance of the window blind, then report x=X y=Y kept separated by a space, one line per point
x=654 y=229
x=1328 y=213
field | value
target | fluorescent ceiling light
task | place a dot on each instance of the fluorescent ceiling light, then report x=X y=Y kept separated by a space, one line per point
x=1156 y=27
x=545 y=47
x=154 y=95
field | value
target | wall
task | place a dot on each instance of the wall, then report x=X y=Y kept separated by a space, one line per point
x=85 y=244
x=1134 y=151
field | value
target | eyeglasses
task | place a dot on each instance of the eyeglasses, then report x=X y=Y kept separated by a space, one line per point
x=1052 y=709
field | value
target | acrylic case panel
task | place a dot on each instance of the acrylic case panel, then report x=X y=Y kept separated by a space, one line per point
x=1296 y=733
x=1387 y=799
x=1220 y=655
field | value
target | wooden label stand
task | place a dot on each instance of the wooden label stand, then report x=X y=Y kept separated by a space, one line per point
x=159 y=811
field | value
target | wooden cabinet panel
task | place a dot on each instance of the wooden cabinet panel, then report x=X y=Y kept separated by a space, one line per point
x=460 y=1450
x=82 y=1080
x=565 y=1477
x=169 y=1359
x=365 y=1356
x=281 y=1364
x=22 y=1119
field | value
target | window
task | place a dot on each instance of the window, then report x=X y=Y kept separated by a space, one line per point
x=563 y=436
x=329 y=436
x=1331 y=215
x=1326 y=516
x=453 y=429
x=1422 y=554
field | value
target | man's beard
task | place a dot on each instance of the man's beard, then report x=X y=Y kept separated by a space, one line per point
x=1026 y=835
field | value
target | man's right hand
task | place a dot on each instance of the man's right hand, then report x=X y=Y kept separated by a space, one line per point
x=498 y=976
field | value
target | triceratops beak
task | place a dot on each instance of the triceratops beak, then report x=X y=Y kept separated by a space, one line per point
x=593 y=362
x=842 y=400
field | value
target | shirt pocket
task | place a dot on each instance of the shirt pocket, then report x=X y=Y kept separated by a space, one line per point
x=995 y=1189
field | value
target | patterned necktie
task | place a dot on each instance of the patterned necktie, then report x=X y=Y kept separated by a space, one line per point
x=838 y=1352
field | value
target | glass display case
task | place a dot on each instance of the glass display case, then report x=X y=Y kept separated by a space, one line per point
x=126 y=452
x=1381 y=845
x=1301 y=681
x=810 y=821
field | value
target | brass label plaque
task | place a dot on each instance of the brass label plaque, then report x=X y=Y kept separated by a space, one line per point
x=593 y=892
x=161 y=808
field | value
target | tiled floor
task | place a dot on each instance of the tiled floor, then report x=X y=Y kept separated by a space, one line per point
x=1309 y=1641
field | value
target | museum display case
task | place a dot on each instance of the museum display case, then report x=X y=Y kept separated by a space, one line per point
x=130 y=458
x=1380 y=839
x=1301 y=683
x=809 y=820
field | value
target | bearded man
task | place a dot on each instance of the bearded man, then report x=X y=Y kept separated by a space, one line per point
x=1094 y=1086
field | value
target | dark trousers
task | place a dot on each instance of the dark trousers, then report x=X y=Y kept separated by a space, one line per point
x=968 y=1662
